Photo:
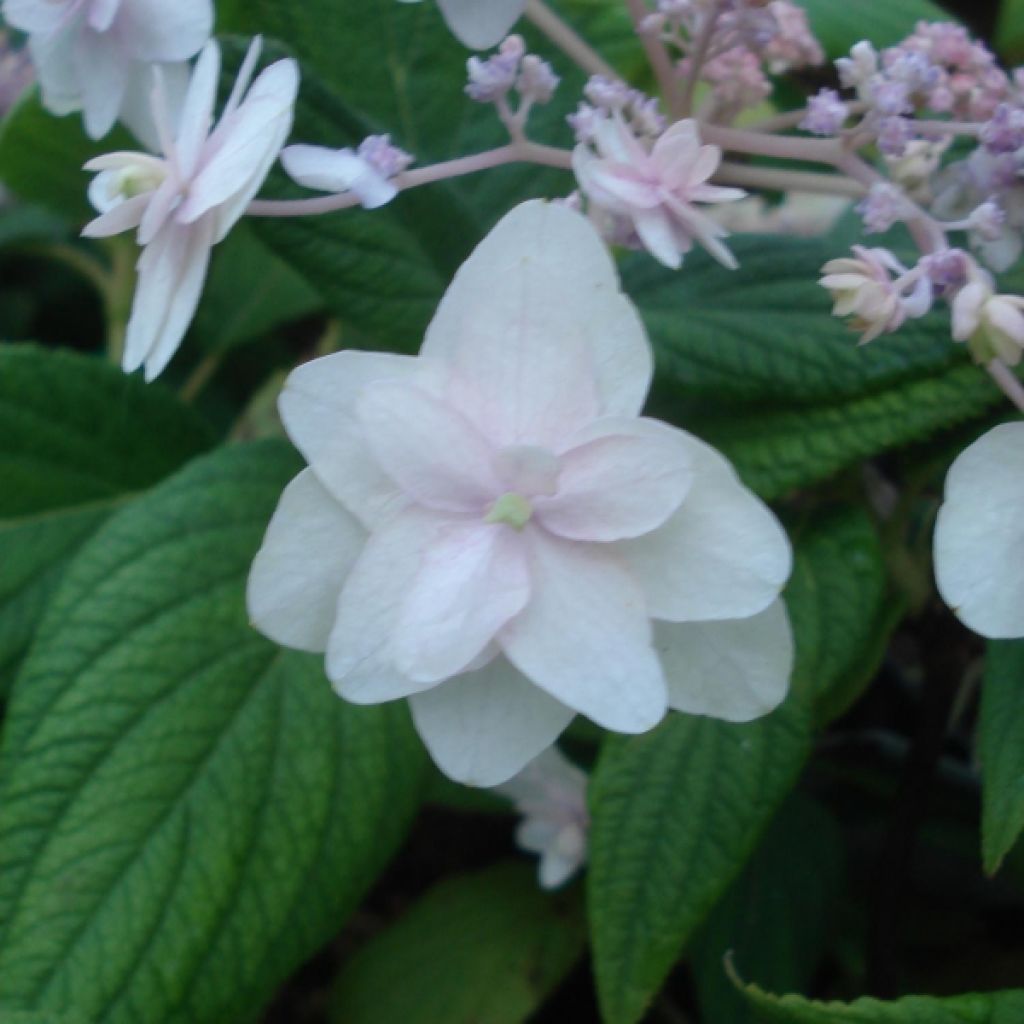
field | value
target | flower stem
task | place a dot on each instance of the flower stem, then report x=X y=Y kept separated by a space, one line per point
x=658 y=56
x=698 y=58
x=515 y=152
x=565 y=37
x=782 y=180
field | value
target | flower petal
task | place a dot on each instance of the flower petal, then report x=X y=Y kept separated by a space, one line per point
x=310 y=546
x=101 y=69
x=535 y=333
x=733 y=669
x=723 y=555
x=317 y=407
x=481 y=24
x=483 y=727
x=337 y=170
x=613 y=486
x=196 y=118
x=156 y=30
x=585 y=637
x=659 y=236
x=979 y=534
x=472 y=580
x=360 y=654
x=432 y=452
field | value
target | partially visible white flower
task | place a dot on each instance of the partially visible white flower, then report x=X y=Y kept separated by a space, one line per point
x=95 y=55
x=480 y=24
x=367 y=172
x=991 y=324
x=551 y=794
x=656 y=189
x=979 y=535
x=864 y=288
x=491 y=530
x=859 y=69
x=187 y=200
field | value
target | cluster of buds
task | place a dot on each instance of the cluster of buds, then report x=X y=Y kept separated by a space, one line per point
x=733 y=46
x=492 y=79
x=609 y=97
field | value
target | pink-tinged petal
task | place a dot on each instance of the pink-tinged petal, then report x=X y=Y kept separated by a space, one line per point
x=722 y=555
x=158 y=210
x=124 y=216
x=244 y=77
x=484 y=727
x=585 y=637
x=659 y=237
x=472 y=580
x=137 y=108
x=337 y=170
x=360 y=650
x=675 y=153
x=184 y=298
x=309 y=549
x=197 y=114
x=537 y=337
x=243 y=147
x=616 y=486
x=164 y=30
x=590 y=172
x=615 y=141
x=733 y=669
x=620 y=188
x=317 y=407
x=706 y=163
x=432 y=452
x=481 y=24
x=716 y=194
x=102 y=72
x=979 y=534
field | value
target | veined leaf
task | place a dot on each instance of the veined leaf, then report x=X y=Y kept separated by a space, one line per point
x=838 y=26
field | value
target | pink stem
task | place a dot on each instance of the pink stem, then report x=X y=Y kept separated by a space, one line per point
x=656 y=53
x=565 y=37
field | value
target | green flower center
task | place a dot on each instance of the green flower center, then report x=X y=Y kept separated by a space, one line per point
x=512 y=509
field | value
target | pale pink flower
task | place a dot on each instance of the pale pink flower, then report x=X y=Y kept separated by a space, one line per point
x=979 y=534
x=551 y=794
x=187 y=200
x=490 y=528
x=991 y=324
x=94 y=55
x=865 y=288
x=656 y=189
x=480 y=24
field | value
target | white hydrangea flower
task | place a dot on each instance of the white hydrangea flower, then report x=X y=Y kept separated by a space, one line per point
x=480 y=24
x=979 y=534
x=551 y=794
x=489 y=528
x=186 y=201
x=95 y=55
x=655 y=189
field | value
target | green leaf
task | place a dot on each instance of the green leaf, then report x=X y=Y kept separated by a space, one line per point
x=80 y=438
x=249 y=293
x=1009 y=37
x=775 y=919
x=41 y=157
x=753 y=361
x=984 y=1008
x=838 y=26
x=1001 y=750
x=840 y=606
x=186 y=811
x=486 y=948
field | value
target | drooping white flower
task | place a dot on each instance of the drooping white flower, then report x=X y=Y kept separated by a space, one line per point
x=979 y=535
x=864 y=287
x=654 y=189
x=551 y=794
x=990 y=323
x=489 y=528
x=480 y=24
x=187 y=200
x=95 y=55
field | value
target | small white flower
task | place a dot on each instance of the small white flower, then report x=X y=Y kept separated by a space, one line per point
x=187 y=200
x=551 y=794
x=979 y=535
x=991 y=324
x=489 y=528
x=480 y=24
x=367 y=172
x=864 y=287
x=655 y=189
x=94 y=55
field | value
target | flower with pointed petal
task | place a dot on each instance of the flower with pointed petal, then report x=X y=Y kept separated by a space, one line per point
x=551 y=794
x=94 y=55
x=979 y=534
x=490 y=528
x=991 y=324
x=655 y=188
x=186 y=201
x=480 y=24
